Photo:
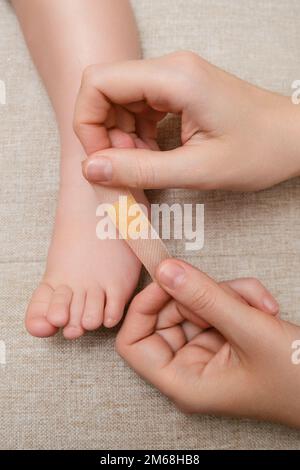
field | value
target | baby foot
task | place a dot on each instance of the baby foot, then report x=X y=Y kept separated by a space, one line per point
x=87 y=281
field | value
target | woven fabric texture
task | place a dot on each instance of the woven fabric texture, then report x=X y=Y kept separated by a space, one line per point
x=56 y=394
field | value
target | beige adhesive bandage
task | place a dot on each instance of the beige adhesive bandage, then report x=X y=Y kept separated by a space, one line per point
x=150 y=250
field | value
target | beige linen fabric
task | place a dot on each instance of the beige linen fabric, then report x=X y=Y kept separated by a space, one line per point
x=79 y=395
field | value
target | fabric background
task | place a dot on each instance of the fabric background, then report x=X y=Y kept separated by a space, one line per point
x=80 y=395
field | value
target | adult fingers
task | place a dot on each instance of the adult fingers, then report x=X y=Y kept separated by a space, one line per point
x=123 y=83
x=184 y=167
x=254 y=293
x=146 y=351
x=239 y=323
x=141 y=318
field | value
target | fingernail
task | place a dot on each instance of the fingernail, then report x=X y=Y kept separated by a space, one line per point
x=99 y=169
x=171 y=275
x=271 y=304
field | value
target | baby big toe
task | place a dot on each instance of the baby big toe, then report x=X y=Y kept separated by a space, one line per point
x=35 y=320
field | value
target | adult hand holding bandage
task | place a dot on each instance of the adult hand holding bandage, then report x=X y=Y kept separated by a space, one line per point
x=242 y=366
x=234 y=135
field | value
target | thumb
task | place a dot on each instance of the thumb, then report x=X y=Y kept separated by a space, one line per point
x=146 y=169
x=237 y=322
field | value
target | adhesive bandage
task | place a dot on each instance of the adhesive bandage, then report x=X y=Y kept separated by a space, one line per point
x=149 y=249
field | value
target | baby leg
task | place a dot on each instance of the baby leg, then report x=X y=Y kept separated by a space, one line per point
x=87 y=281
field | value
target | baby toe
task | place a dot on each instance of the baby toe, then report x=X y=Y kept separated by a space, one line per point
x=94 y=308
x=113 y=311
x=74 y=329
x=35 y=320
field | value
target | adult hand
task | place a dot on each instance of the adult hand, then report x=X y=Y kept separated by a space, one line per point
x=234 y=135
x=240 y=367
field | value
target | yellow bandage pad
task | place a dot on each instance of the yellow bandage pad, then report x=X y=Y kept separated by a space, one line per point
x=135 y=228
